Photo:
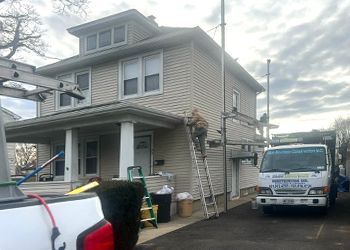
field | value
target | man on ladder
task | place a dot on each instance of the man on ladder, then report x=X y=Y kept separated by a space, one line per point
x=200 y=130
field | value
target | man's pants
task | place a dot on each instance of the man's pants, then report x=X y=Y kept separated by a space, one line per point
x=201 y=134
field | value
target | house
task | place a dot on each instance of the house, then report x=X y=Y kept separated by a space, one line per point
x=139 y=79
x=9 y=116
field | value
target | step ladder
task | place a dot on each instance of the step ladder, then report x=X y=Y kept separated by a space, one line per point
x=146 y=197
x=209 y=205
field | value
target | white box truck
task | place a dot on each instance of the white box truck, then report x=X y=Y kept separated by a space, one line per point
x=299 y=170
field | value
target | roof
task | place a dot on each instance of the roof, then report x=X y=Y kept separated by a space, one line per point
x=90 y=116
x=109 y=20
x=167 y=39
x=10 y=113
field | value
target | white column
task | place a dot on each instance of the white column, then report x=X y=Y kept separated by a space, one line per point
x=126 y=158
x=71 y=155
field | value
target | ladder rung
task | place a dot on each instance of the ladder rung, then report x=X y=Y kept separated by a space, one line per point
x=210 y=204
x=146 y=197
x=211 y=213
x=137 y=177
x=148 y=219
x=146 y=208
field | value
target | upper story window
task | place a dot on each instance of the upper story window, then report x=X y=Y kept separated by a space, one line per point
x=141 y=76
x=82 y=78
x=236 y=101
x=114 y=36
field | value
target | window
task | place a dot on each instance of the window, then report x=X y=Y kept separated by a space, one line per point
x=152 y=72
x=59 y=163
x=87 y=158
x=91 y=42
x=91 y=158
x=82 y=78
x=236 y=101
x=119 y=34
x=141 y=76
x=130 y=72
x=104 y=38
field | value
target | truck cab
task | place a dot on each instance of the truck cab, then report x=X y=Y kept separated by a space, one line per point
x=297 y=175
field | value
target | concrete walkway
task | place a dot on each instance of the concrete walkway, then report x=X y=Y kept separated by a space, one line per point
x=177 y=222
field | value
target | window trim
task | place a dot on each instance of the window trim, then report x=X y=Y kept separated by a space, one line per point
x=113 y=44
x=54 y=145
x=238 y=101
x=85 y=141
x=74 y=101
x=141 y=74
x=82 y=141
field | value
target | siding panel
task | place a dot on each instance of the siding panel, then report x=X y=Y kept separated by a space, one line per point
x=207 y=97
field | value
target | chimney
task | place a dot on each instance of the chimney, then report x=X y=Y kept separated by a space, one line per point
x=152 y=18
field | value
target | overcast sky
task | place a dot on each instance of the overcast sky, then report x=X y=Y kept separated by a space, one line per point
x=307 y=41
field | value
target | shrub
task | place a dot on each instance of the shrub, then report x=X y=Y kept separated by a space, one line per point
x=121 y=203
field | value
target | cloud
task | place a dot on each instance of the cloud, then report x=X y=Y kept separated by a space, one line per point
x=309 y=66
x=25 y=109
x=215 y=16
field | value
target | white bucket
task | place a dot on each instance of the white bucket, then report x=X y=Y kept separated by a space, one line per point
x=254 y=204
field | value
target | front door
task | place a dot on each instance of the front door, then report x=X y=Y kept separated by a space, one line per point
x=142 y=147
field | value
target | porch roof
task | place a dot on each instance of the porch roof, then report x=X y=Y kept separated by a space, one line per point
x=37 y=130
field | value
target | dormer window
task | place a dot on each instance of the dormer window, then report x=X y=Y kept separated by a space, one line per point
x=119 y=34
x=104 y=38
x=112 y=37
x=91 y=42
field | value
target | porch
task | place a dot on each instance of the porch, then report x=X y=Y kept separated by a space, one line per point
x=102 y=141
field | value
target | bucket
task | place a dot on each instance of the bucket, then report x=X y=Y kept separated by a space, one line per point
x=145 y=214
x=184 y=208
x=254 y=204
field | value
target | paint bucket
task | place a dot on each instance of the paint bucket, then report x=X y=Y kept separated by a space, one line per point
x=254 y=204
x=145 y=214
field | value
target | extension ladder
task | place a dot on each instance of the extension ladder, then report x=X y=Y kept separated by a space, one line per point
x=209 y=205
x=146 y=196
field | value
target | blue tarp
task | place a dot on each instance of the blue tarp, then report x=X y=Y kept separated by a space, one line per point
x=343 y=183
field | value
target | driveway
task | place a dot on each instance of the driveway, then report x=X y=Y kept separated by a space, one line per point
x=244 y=228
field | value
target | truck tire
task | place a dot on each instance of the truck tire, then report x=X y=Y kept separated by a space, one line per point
x=267 y=209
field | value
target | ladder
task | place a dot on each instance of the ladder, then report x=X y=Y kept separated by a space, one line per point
x=146 y=195
x=209 y=205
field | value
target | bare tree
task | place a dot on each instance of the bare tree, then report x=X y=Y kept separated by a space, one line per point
x=26 y=157
x=76 y=7
x=342 y=127
x=21 y=27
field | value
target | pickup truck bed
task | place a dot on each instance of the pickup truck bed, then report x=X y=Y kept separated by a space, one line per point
x=26 y=224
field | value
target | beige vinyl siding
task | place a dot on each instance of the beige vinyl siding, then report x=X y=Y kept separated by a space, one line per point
x=104 y=83
x=43 y=155
x=109 y=156
x=248 y=176
x=136 y=33
x=176 y=82
x=172 y=147
x=48 y=106
x=207 y=96
x=11 y=147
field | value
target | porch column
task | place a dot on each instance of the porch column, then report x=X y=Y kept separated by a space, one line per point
x=71 y=155
x=126 y=158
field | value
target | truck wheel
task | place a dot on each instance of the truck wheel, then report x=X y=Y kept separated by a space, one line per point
x=267 y=209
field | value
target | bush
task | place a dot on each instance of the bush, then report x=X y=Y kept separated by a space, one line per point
x=121 y=203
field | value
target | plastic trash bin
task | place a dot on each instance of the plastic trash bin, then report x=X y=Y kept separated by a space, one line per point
x=163 y=201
